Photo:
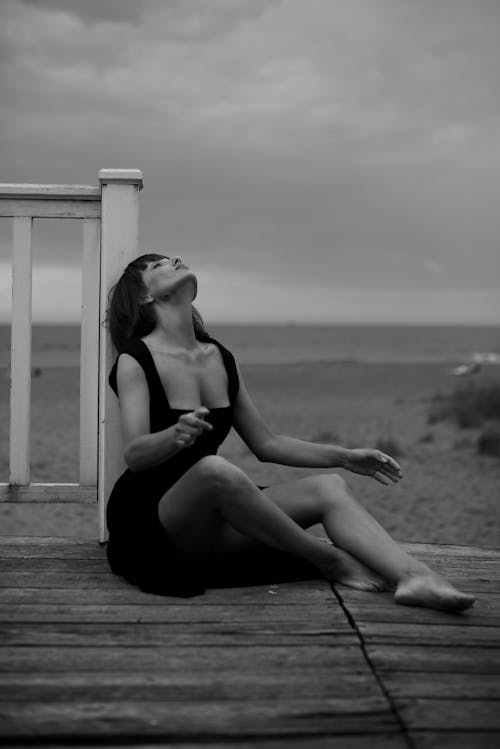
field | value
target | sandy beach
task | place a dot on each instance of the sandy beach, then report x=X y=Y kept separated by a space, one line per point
x=449 y=493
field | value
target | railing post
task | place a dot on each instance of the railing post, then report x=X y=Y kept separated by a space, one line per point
x=20 y=373
x=119 y=245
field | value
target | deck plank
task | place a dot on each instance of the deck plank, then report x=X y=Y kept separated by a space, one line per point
x=26 y=612
x=121 y=592
x=58 y=564
x=208 y=634
x=485 y=615
x=34 y=546
x=454 y=739
x=442 y=685
x=306 y=658
x=431 y=659
x=184 y=685
x=302 y=593
x=195 y=719
x=380 y=633
x=339 y=741
x=451 y=715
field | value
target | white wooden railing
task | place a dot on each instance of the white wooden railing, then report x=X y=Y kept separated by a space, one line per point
x=110 y=215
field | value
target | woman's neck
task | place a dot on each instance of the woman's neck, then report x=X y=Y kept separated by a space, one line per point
x=174 y=327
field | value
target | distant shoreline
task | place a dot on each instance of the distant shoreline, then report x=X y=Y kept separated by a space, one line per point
x=448 y=346
x=416 y=326
x=72 y=362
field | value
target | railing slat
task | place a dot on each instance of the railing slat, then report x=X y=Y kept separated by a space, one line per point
x=20 y=391
x=50 y=192
x=59 y=493
x=38 y=208
x=89 y=351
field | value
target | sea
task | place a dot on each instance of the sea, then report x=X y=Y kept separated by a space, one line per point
x=59 y=345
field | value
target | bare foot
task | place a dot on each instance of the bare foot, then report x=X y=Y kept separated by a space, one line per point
x=347 y=570
x=432 y=591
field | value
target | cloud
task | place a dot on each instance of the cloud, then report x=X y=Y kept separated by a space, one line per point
x=357 y=142
x=433 y=266
x=91 y=11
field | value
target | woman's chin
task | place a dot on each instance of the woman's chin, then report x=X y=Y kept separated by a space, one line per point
x=190 y=276
x=183 y=279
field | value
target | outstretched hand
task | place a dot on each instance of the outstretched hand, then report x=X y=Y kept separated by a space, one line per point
x=374 y=463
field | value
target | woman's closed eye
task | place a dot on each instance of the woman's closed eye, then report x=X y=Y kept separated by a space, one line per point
x=159 y=262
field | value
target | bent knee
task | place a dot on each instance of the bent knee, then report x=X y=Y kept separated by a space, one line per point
x=330 y=487
x=218 y=474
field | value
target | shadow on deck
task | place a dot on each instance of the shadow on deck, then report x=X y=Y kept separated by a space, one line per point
x=86 y=658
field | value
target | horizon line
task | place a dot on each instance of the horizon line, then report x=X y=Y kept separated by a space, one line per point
x=291 y=324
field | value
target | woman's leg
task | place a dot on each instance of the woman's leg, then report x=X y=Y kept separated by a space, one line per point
x=215 y=508
x=354 y=530
x=304 y=502
x=214 y=492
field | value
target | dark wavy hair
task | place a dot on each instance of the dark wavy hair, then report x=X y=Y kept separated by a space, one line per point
x=126 y=317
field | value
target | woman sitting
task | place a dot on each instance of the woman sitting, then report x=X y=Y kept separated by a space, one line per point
x=179 y=510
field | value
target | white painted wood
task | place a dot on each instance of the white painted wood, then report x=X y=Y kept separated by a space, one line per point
x=121 y=176
x=60 y=493
x=119 y=243
x=20 y=388
x=50 y=208
x=52 y=192
x=100 y=432
x=89 y=351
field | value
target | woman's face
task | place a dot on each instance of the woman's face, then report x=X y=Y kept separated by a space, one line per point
x=163 y=276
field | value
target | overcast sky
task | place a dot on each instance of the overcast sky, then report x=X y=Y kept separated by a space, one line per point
x=311 y=160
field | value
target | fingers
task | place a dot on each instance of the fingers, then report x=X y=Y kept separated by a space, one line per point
x=390 y=462
x=389 y=467
x=381 y=478
x=191 y=425
x=196 y=421
x=202 y=411
x=391 y=473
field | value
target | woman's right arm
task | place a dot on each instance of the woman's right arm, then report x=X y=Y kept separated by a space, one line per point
x=141 y=448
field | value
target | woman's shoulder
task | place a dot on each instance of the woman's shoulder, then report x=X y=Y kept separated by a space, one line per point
x=219 y=345
x=226 y=354
x=131 y=360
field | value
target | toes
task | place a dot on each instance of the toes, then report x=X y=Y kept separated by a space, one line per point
x=467 y=602
x=445 y=600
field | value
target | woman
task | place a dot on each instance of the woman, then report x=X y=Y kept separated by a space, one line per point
x=180 y=511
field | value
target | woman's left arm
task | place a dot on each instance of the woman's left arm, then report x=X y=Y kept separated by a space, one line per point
x=269 y=447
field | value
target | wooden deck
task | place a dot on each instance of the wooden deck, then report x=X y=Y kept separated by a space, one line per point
x=88 y=659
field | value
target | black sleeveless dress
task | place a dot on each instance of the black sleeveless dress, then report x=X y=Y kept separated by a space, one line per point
x=139 y=548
